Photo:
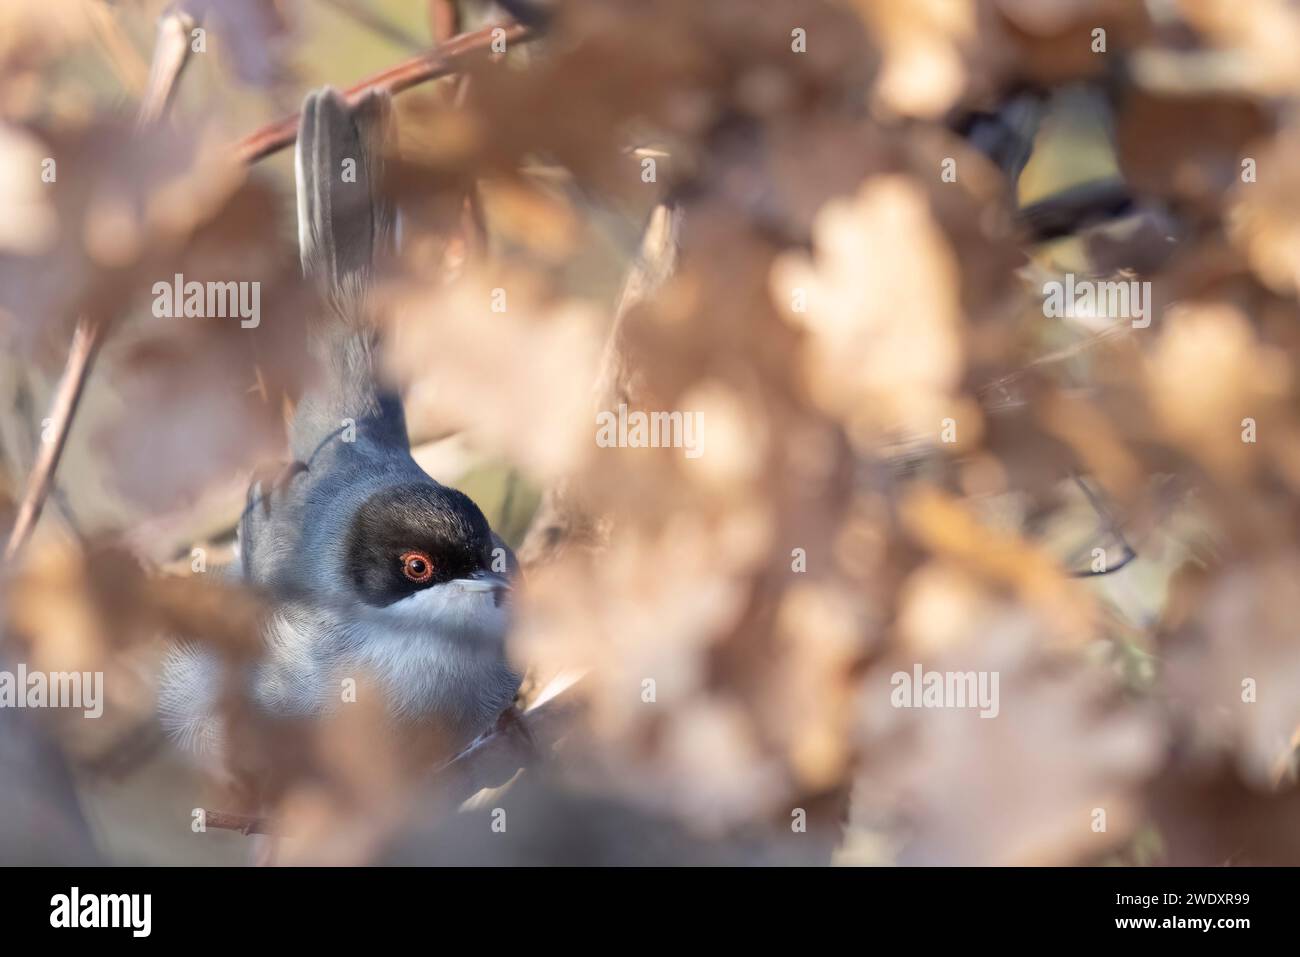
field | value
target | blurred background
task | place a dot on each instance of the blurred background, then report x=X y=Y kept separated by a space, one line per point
x=824 y=227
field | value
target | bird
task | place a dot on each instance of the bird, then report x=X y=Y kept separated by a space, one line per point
x=377 y=571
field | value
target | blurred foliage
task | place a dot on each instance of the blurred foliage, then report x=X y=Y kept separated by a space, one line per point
x=798 y=177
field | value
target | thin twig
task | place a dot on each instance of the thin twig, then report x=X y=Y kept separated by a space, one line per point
x=441 y=61
x=23 y=406
x=170 y=55
x=81 y=356
x=171 y=52
x=1112 y=527
x=1060 y=355
x=444 y=19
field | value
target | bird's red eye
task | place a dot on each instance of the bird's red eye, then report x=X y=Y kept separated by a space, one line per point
x=417 y=566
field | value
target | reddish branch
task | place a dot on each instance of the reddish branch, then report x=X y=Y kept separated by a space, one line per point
x=171 y=53
x=441 y=61
x=444 y=19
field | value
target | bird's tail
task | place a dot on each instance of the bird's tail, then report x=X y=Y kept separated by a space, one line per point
x=344 y=221
x=345 y=230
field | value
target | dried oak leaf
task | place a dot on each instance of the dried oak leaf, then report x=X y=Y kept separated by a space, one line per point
x=1262 y=214
x=883 y=367
x=1208 y=374
x=1189 y=149
x=496 y=356
x=1023 y=786
x=120 y=206
x=1232 y=666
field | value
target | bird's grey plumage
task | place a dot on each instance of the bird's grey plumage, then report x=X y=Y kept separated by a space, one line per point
x=327 y=536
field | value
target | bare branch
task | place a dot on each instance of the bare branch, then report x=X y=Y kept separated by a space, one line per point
x=441 y=61
x=171 y=52
x=444 y=19
x=81 y=356
x=1111 y=527
x=170 y=55
x=996 y=395
x=518 y=740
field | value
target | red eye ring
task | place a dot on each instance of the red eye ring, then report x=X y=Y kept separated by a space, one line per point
x=417 y=566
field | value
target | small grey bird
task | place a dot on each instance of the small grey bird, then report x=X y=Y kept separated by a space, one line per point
x=382 y=574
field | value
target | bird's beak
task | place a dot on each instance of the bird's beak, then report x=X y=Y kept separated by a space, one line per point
x=486 y=583
x=498 y=586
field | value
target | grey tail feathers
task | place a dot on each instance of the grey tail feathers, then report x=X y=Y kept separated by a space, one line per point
x=346 y=227
x=344 y=221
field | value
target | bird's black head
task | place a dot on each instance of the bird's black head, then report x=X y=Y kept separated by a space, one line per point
x=411 y=537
